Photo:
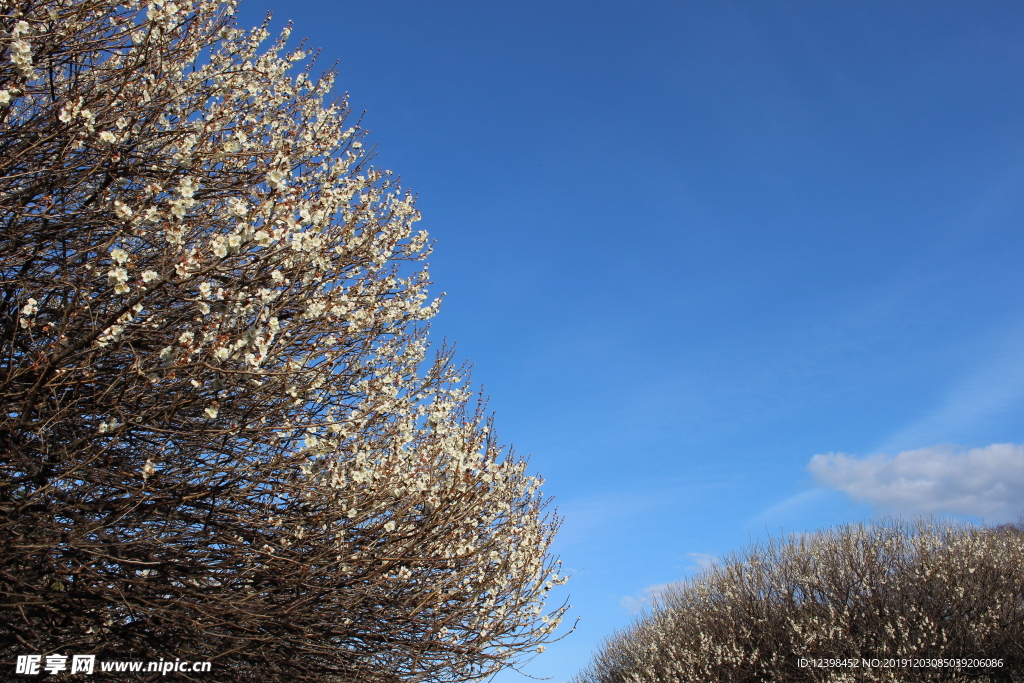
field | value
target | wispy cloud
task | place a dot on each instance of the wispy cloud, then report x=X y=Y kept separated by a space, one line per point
x=990 y=394
x=982 y=482
x=645 y=599
x=703 y=561
x=648 y=596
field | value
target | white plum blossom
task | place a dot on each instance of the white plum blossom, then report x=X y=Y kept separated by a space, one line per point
x=276 y=180
x=118 y=277
x=21 y=57
x=122 y=209
x=187 y=187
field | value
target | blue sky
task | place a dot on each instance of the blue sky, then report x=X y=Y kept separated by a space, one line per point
x=690 y=246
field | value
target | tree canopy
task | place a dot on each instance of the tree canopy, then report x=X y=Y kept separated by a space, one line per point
x=222 y=435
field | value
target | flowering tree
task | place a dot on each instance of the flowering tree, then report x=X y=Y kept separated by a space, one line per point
x=222 y=438
x=890 y=601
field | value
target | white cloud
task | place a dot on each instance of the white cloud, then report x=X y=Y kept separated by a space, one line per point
x=645 y=599
x=982 y=482
x=703 y=561
x=648 y=596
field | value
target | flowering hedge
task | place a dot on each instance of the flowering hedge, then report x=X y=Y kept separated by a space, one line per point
x=891 y=601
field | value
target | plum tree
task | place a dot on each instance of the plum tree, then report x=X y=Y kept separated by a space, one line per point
x=222 y=436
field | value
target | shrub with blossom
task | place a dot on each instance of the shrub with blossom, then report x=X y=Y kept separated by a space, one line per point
x=891 y=601
x=222 y=437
